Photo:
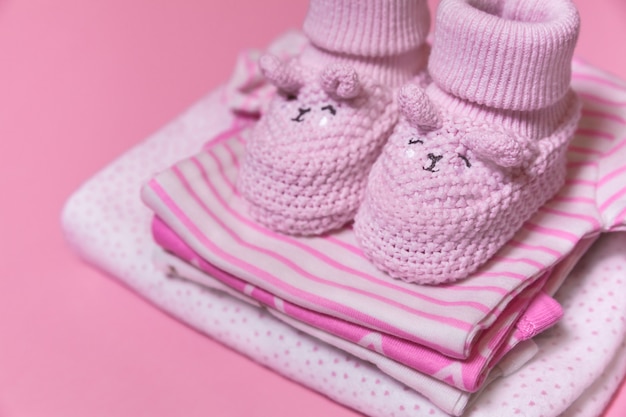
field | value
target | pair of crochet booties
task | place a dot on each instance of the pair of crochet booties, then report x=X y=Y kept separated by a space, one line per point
x=465 y=160
x=307 y=161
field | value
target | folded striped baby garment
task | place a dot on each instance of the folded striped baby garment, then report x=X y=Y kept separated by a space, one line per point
x=401 y=360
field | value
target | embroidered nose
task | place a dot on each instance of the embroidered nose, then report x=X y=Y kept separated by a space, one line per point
x=433 y=161
x=301 y=112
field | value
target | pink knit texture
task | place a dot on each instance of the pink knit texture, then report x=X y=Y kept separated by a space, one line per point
x=307 y=161
x=309 y=156
x=507 y=54
x=457 y=179
x=368 y=28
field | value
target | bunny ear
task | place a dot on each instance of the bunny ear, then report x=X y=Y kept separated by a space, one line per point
x=285 y=77
x=341 y=80
x=502 y=149
x=417 y=108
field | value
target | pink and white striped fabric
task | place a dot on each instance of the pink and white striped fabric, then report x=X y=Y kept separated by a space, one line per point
x=329 y=276
x=448 y=398
x=540 y=311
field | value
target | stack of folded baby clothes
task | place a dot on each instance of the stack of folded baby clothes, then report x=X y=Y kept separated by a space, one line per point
x=473 y=197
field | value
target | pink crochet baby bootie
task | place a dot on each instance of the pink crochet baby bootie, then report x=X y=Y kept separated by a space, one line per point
x=308 y=158
x=478 y=151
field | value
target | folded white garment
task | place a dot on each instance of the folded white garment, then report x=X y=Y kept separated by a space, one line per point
x=108 y=225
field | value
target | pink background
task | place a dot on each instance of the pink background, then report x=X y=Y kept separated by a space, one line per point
x=81 y=82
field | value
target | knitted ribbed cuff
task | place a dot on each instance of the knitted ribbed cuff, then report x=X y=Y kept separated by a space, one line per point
x=542 y=313
x=392 y=70
x=512 y=55
x=372 y=28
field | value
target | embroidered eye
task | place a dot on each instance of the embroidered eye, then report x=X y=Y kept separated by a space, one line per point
x=433 y=161
x=467 y=162
x=413 y=141
x=331 y=109
x=301 y=113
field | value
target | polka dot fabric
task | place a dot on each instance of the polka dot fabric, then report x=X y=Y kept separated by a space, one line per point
x=583 y=355
x=108 y=225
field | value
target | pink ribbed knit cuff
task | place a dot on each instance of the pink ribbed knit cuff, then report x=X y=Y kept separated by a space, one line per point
x=512 y=55
x=392 y=70
x=542 y=313
x=372 y=28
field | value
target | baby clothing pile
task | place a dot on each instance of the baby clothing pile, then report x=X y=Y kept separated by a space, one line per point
x=222 y=215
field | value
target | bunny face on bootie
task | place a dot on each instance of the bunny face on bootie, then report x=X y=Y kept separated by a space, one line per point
x=307 y=162
x=449 y=191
